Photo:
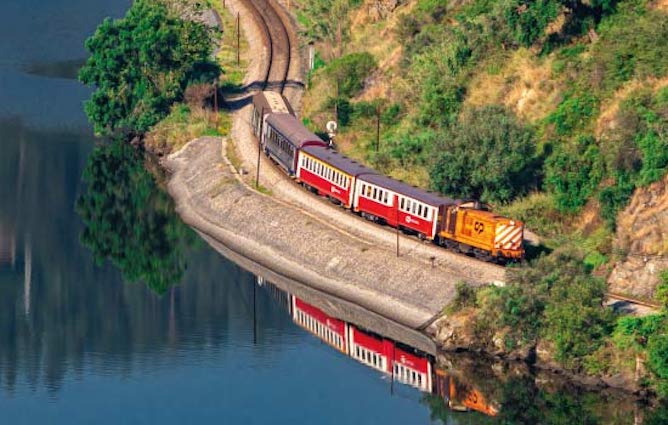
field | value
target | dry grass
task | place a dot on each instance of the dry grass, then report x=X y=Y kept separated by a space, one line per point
x=184 y=124
x=524 y=84
x=609 y=109
x=233 y=74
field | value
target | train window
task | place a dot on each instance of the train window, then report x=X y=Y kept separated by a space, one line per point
x=375 y=193
x=385 y=197
x=419 y=210
x=368 y=191
x=401 y=203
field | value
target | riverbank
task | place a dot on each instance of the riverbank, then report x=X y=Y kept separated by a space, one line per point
x=302 y=237
x=300 y=246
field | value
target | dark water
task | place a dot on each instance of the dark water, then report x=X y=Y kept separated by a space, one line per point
x=78 y=343
x=112 y=311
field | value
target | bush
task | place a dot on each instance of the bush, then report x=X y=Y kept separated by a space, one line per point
x=528 y=18
x=465 y=296
x=573 y=172
x=661 y=294
x=573 y=113
x=657 y=350
x=614 y=198
x=631 y=45
x=350 y=71
x=487 y=155
x=575 y=319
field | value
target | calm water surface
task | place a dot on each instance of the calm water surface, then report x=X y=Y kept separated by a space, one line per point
x=80 y=345
x=112 y=311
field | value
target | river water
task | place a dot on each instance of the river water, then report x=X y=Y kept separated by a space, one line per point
x=112 y=311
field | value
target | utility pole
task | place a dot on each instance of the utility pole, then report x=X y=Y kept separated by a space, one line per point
x=396 y=209
x=215 y=98
x=259 y=150
x=377 y=127
x=238 y=39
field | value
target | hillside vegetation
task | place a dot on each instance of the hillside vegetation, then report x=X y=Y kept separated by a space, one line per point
x=553 y=111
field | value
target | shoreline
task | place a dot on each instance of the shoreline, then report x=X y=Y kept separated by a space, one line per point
x=315 y=252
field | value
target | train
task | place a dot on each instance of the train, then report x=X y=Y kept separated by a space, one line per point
x=463 y=226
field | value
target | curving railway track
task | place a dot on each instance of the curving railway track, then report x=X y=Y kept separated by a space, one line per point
x=277 y=40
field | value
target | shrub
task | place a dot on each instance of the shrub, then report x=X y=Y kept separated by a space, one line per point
x=487 y=155
x=465 y=296
x=573 y=172
x=661 y=294
x=657 y=350
x=350 y=71
x=614 y=198
x=529 y=18
x=575 y=319
x=573 y=113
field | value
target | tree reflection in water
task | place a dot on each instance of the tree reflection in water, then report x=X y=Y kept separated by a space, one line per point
x=129 y=220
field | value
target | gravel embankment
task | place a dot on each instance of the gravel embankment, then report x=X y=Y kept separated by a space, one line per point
x=304 y=238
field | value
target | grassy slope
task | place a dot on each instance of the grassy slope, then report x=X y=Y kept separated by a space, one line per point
x=533 y=84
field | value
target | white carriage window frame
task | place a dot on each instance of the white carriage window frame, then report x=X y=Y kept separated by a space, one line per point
x=376 y=193
x=416 y=208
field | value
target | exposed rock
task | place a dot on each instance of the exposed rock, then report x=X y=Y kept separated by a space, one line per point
x=642 y=235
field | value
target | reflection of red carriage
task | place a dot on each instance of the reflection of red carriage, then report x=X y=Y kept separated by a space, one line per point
x=405 y=365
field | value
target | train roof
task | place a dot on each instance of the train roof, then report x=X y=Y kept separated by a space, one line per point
x=413 y=192
x=292 y=129
x=272 y=102
x=337 y=160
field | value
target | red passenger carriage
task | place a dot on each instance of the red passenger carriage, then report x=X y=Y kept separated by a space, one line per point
x=380 y=198
x=330 y=173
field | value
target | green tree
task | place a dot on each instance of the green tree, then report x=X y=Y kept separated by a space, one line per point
x=487 y=155
x=129 y=221
x=141 y=64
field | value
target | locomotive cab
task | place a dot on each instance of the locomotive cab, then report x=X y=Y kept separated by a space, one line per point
x=481 y=233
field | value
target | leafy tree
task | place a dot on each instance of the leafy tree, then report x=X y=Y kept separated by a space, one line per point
x=129 y=221
x=141 y=64
x=486 y=155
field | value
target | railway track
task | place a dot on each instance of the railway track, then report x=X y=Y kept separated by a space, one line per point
x=277 y=40
x=631 y=300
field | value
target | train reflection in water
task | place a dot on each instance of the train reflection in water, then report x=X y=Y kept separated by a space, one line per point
x=402 y=363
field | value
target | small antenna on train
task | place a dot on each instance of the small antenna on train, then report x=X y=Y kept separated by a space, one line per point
x=331 y=132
